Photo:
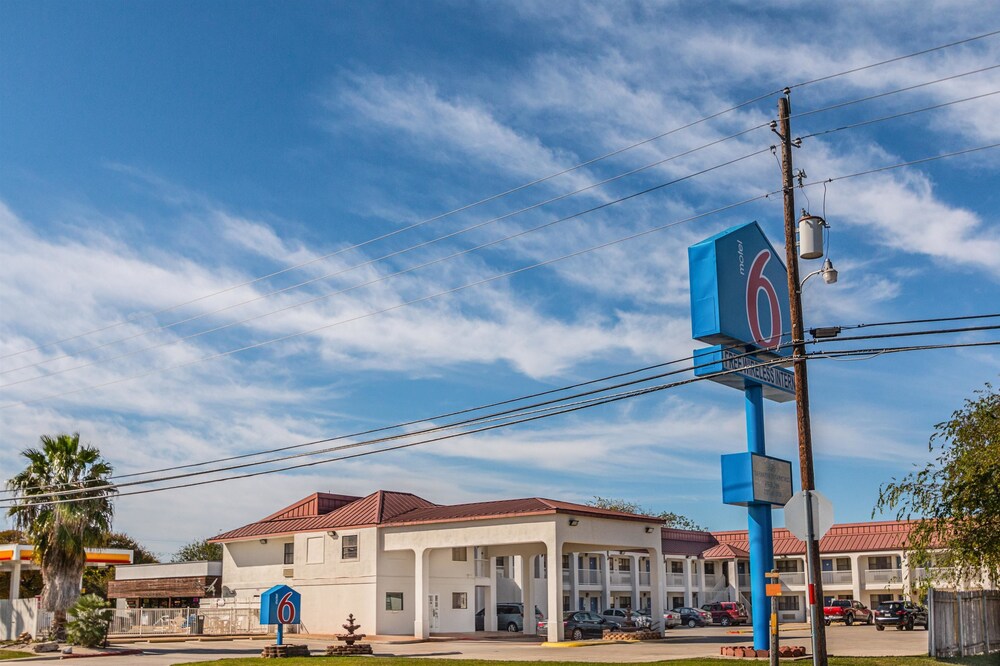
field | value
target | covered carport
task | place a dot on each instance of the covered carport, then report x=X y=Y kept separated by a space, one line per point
x=526 y=528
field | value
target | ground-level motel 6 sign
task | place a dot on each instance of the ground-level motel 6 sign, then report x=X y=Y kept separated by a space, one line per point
x=280 y=605
x=739 y=304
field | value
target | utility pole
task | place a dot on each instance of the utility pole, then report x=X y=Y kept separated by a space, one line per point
x=806 y=473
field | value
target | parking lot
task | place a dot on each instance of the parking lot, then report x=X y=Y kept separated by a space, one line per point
x=679 y=643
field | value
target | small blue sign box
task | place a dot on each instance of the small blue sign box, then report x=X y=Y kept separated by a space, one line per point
x=280 y=605
x=739 y=291
x=750 y=478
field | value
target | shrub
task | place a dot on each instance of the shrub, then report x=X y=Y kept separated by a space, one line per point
x=89 y=626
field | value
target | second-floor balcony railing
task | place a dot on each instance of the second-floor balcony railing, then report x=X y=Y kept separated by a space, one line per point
x=591 y=577
x=482 y=568
x=838 y=577
x=744 y=580
x=923 y=573
x=793 y=577
x=644 y=578
x=883 y=577
x=621 y=577
x=711 y=580
x=675 y=580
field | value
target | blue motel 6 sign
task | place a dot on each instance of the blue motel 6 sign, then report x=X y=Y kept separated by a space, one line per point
x=739 y=291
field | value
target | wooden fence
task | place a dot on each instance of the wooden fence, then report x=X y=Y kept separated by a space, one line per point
x=963 y=623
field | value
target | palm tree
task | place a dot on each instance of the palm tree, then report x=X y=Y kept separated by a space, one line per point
x=59 y=519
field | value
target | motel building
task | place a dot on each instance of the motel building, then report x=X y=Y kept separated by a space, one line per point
x=405 y=566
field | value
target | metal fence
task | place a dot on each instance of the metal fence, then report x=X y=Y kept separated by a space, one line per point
x=225 y=620
x=963 y=623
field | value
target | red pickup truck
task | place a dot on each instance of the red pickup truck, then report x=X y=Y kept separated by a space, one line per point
x=847 y=611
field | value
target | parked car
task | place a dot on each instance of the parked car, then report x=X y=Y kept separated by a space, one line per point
x=693 y=617
x=622 y=616
x=847 y=611
x=727 y=613
x=580 y=624
x=901 y=614
x=671 y=619
x=510 y=617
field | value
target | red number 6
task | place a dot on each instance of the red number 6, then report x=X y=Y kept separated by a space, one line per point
x=757 y=282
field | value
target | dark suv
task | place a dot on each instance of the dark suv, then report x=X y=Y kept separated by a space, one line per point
x=900 y=614
x=727 y=613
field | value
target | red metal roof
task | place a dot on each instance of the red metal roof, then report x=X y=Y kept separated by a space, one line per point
x=686 y=542
x=392 y=508
x=846 y=538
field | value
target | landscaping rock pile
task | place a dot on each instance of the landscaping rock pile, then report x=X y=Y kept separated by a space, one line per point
x=747 y=652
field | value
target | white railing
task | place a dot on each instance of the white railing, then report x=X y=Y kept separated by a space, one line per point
x=621 y=577
x=185 y=621
x=923 y=573
x=743 y=580
x=565 y=577
x=883 y=577
x=675 y=580
x=711 y=580
x=644 y=578
x=591 y=577
x=793 y=577
x=838 y=577
x=482 y=568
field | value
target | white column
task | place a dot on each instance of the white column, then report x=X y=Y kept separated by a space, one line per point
x=553 y=555
x=528 y=596
x=904 y=573
x=15 y=578
x=702 y=586
x=635 y=580
x=657 y=586
x=688 y=600
x=421 y=586
x=606 y=582
x=734 y=581
x=490 y=614
x=859 y=564
x=574 y=578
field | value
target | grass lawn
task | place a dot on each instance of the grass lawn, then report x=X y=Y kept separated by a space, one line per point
x=14 y=654
x=990 y=660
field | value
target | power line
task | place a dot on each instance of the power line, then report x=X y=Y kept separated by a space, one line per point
x=896 y=59
x=377 y=259
x=567 y=409
x=501 y=275
x=897 y=115
x=518 y=412
x=380 y=279
x=509 y=191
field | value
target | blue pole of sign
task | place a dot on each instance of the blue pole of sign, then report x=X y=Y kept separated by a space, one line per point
x=759 y=525
x=278 y=642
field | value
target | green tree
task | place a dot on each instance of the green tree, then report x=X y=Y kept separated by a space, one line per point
x=669 y=518
x=56 y=512
x=197 y=551
x=95 y=580
x=955 y=498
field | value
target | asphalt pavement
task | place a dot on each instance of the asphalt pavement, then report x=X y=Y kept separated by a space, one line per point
x=679 y=643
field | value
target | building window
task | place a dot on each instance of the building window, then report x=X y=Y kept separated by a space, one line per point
x=710 y=568
x=787 y=603
x=289 y=553
x=676 y=567
x=624 y=602
x=349 y=547
x=676 y=602
x=843 y=564
x=625 y=564
x=459 y=600
x=459 y=555
x=786 y=566
x=394 y=601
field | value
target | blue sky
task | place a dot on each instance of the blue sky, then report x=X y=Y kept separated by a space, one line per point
x=154 y=153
